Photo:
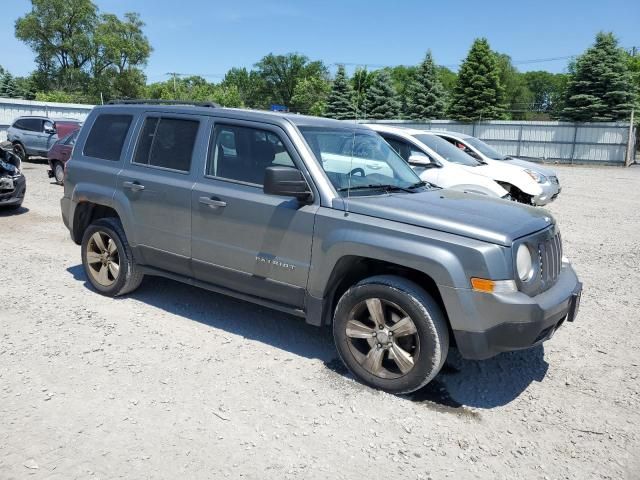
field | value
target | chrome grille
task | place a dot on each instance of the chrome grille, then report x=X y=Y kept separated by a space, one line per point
x=550 y=253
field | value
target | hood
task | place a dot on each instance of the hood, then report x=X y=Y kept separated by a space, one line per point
x=536 y=167
x=469 y=215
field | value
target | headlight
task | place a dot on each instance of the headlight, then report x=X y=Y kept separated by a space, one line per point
x=538 y=177
x=524 y=264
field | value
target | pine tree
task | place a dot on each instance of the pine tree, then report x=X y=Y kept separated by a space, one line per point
x=340 y=104
x=9 y=88
x=381 y=99
x=478 y=93
x=425 y=94
x=600 y=88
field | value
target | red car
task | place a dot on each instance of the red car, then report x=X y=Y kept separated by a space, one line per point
x=58 y=155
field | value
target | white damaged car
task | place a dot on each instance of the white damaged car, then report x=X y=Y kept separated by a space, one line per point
x=542 y=186
x=438 y=162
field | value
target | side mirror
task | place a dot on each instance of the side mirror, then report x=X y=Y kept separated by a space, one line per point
x=50 y=129
x=286 y=182
x=421 y=161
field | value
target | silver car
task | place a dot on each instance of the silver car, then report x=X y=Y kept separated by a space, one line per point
x=545 y=177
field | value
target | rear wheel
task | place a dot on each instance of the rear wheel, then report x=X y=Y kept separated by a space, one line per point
x=108 y=260
x=58 y=172
x=391 y=334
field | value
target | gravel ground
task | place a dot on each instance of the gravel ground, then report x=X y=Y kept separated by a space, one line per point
x=177 y=382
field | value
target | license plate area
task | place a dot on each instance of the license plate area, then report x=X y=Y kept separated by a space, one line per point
x=6 y=184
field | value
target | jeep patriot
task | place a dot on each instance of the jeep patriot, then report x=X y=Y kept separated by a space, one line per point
x=318 y=218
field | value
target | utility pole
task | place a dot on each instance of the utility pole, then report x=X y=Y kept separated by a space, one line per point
x=174 y=75
x=630 y=143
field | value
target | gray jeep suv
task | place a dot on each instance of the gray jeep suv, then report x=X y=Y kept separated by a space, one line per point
x=320 y=219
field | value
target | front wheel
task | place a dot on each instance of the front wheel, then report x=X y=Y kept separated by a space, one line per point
x=20 y=151
x=391 y=334
x=107 y=258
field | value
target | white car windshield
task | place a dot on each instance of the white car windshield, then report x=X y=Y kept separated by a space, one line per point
x=446 y=150
x=356 y=160
x=485 y=149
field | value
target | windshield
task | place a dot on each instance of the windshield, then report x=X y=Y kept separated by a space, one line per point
x=485 y=149
x=446 y=150
x=355 y=159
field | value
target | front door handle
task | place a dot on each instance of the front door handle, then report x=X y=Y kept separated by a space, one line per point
x=374 y=166
x=212 y=202
x=134 y=186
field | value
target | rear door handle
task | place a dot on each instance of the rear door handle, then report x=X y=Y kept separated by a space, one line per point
x=212 y=202
x=374 y=166
x=134 y=186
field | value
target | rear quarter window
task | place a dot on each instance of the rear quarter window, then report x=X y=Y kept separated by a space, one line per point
x=107 y=136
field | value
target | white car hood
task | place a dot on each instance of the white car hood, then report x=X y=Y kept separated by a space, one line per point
x=460 y=178
x=501 y=171
x=536 y=167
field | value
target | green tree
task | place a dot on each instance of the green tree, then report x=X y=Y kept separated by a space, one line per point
x=547 y=90
x=281 y=74
x=310 y=96
x=426 y=96
x=518 y=99
x=8 y=86
x=600 y=88
x=80 y=50
x=447 y=78
x=478 y=93
x=360 y=83
x=340 y=104
x=402 y=76
x=381 y=99
x=249 y=86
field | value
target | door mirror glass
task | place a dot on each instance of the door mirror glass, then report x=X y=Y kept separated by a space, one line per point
x=286 y=182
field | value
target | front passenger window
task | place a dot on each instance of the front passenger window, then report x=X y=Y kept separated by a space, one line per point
x=243 y=153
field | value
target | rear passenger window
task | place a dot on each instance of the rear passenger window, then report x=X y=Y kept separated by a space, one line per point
x=243 y=153
x=106 y=137
x=167 y=143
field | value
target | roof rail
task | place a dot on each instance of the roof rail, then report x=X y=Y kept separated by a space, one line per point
x=143 y=101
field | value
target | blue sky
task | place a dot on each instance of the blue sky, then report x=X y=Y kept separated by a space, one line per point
x=209 y=37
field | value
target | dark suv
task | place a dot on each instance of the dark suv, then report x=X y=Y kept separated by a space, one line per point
x=320 y=219
x=36 y=135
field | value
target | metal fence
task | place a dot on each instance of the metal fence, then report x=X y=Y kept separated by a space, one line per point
x=562 y=142
x=10 y=108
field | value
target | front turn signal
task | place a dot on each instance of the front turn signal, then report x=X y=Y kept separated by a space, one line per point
x=493 y=286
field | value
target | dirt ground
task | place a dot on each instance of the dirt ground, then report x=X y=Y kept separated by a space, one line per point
x=177 y=382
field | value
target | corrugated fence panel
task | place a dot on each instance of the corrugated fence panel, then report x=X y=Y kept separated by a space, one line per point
x=549 y=141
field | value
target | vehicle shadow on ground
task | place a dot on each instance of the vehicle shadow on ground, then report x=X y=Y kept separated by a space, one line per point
x=461 y=383
x=10 y=212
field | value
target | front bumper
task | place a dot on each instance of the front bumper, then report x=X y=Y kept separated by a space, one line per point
x=514 y=321
x=550 y=191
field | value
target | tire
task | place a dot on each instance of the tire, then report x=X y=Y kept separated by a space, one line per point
x=114 y=249
x=20 y=151
x=426 y=343
x=58 y=172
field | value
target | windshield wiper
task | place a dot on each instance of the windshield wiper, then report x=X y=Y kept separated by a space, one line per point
x=385 y=187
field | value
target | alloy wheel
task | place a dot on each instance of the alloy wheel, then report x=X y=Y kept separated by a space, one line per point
x=382 y=338
x=103 y=259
